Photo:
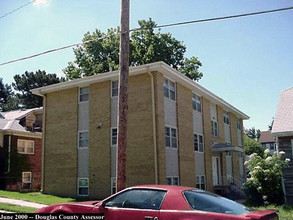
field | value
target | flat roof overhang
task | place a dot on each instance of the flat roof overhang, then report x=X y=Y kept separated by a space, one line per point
x=225 y=148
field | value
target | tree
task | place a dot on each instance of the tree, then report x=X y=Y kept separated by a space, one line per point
x=271 y=125
x=146 y=46
x=252 y=146
x=8 y=100
x=253 y=133
x=29 y=80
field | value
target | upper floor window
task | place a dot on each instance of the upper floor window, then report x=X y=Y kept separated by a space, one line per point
x=83 y=94
x=114 y=88
x=239 y=124
x=173 y=180
x=196 y=103
x=114 y=137
x=25 y=146
x=214 y=128
x=171 y=137
x=83 y=139
x=169 y=89
x=113 y=185
x=198 y=142
x=226 y=118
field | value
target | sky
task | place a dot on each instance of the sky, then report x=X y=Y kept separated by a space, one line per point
x=246 y=61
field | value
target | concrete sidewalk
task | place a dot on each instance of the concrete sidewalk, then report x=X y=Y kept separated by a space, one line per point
x=21 y=203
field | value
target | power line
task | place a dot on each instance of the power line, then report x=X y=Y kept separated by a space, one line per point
x=17 y=9
x=159 y=26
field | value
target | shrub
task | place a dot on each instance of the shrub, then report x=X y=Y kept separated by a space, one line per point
x=264 y=184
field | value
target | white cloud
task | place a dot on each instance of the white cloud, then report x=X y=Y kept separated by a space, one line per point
x=41 y=2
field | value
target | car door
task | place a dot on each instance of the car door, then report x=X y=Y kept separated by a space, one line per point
x=134 y=204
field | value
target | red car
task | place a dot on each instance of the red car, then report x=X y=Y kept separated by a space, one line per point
x=157 y=202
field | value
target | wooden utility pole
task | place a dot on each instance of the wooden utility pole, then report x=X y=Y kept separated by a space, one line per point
x=123 y=96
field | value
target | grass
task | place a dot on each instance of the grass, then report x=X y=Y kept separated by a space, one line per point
x=36 y=197
x=285 y=211
x=16 y=208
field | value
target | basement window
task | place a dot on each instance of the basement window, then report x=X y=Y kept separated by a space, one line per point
x=26 y=180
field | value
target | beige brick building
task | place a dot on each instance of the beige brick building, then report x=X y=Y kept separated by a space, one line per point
x=178 y=133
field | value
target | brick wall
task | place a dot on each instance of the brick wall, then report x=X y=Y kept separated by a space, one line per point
x=185 y=136
x=60 y=158
x=99 y=139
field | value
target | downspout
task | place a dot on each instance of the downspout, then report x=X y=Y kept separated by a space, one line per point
x=282 y=178
x=154 y=126
x=9 y=150
x=43 y=140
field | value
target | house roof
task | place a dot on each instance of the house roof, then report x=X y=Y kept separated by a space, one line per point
x=283 y=123
x=18 y=114
x=157 y=66
x=266 y=137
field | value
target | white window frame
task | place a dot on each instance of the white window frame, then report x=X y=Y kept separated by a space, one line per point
x=198 y=142
x=169 y=88
x=198 y=184
x=80 y=94
x=196 y=101
x=170 y=136
x=172 y=178
x=26 y=182
x=112 y=88
x=226 y=118
x=78 y=139
x=78 y=186
x=26 y=146
x=215 y=129
x=113 y=185
x=112 y=129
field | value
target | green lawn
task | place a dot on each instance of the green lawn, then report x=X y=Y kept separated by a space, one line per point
x=16 y=208
x=36 y=197
x=285 y=211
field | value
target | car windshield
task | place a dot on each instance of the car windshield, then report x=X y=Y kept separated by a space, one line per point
x=206 y=201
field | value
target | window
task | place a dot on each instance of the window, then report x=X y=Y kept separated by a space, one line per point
x=83 y=186
x=83 y=94
x=272 y=146
x=173 y=181
x=83 y=139
x=114 y=137
x=209 y=202
x=200 y=182
x=113 y=185
x=26 y=180
x=214 y=128
x=241 y=154
x=137 y=199
x=169 y=89
x=239 y=124
x=114 y=88
x=196 y=103
x=226 y=118
x=171 y=137
x=198 y=142
x=25 y=146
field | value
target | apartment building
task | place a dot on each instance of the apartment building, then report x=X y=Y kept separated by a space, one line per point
x=179 y=133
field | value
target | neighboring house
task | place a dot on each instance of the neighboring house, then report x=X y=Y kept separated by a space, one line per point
x=179 y=133
x=21 y=149
x=268 y=141
x=283 y=131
